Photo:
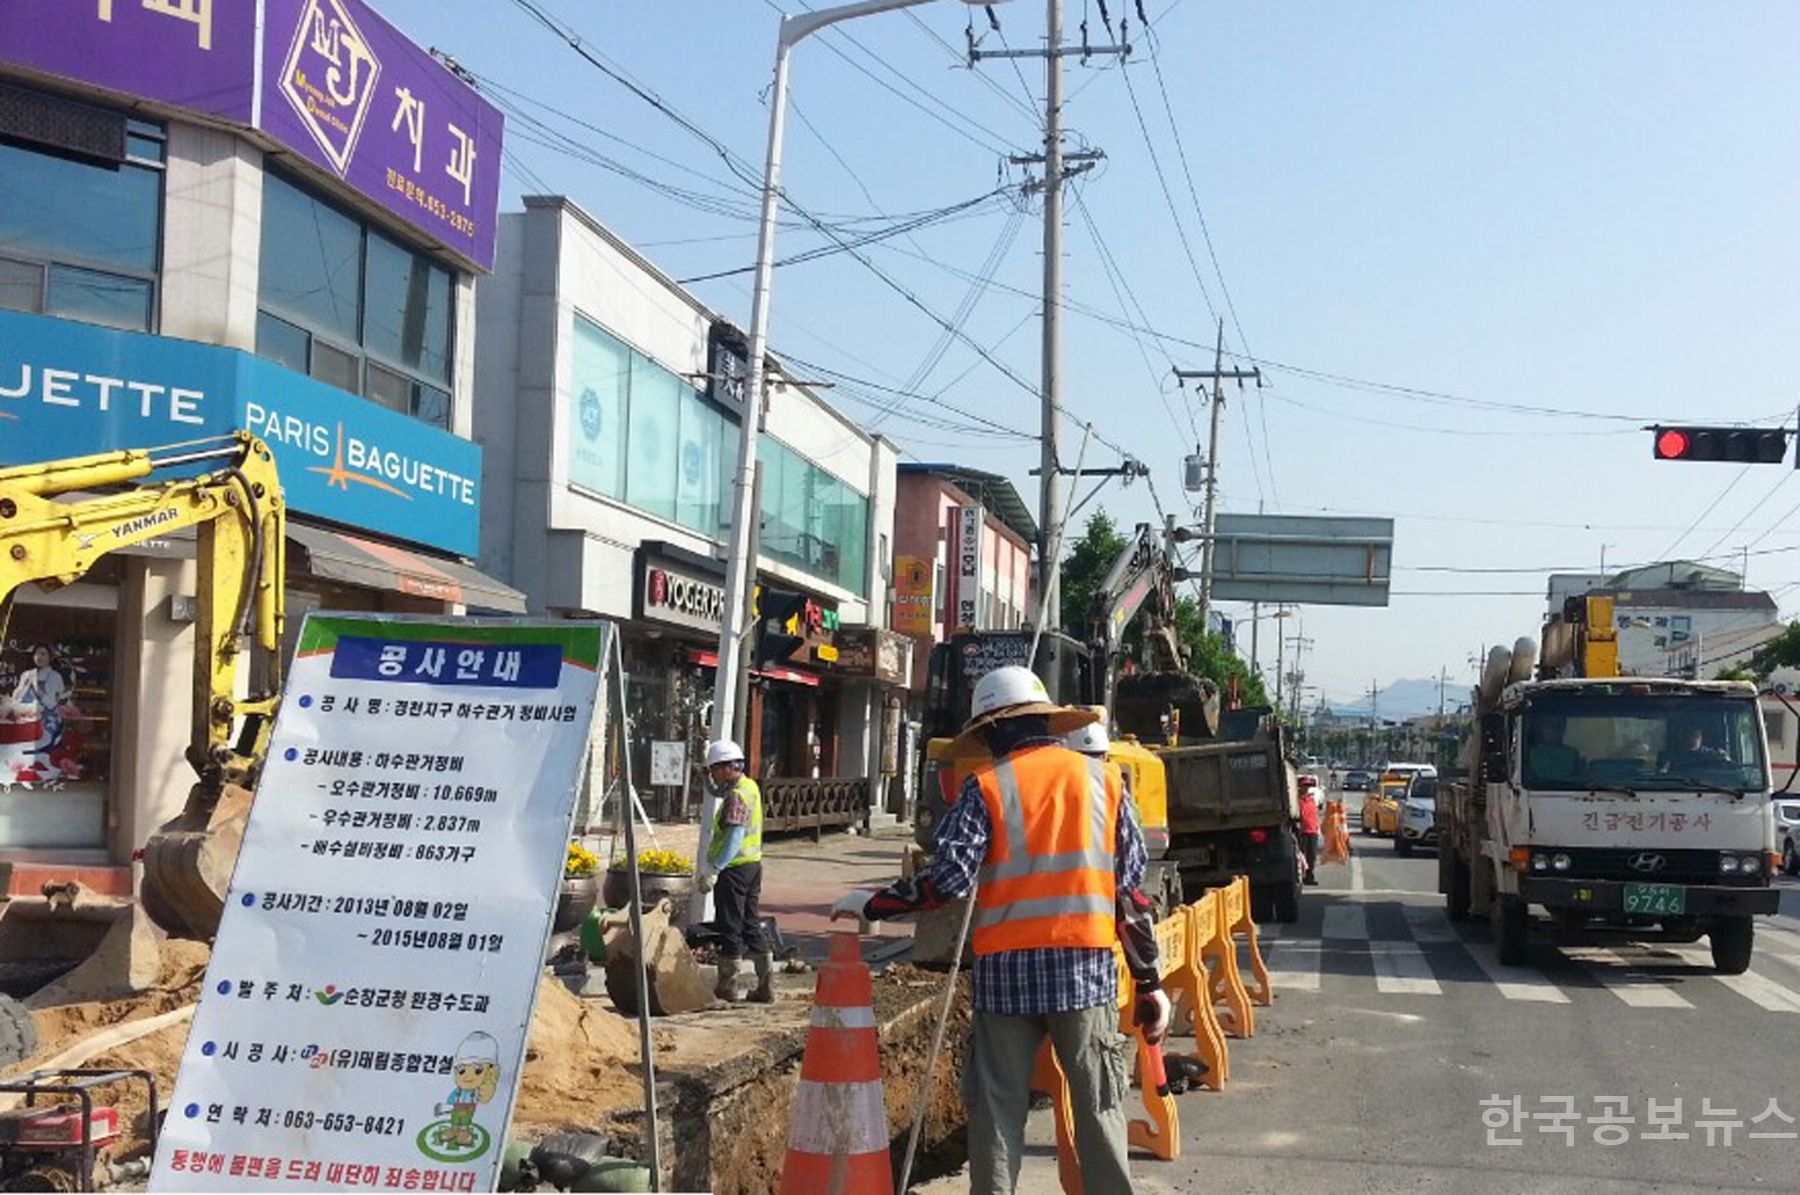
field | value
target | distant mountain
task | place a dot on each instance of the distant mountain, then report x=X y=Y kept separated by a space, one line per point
x=1403 y=699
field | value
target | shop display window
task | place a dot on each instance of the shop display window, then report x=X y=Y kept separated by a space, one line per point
x=57 y=674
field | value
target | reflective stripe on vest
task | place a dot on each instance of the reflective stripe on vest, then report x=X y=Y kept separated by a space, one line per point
x=1049 y=877
x=751 y=849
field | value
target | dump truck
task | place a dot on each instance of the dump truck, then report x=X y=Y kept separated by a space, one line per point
x=1232 y=806
x=1623 y=807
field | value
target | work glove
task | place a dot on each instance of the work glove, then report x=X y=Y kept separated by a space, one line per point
x=1152 y=1016
x=706 y=879
x=852 y=904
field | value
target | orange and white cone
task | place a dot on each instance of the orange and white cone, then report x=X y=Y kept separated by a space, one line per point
x=838 y=1141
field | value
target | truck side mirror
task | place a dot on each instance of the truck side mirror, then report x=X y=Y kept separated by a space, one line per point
x=1495 y=767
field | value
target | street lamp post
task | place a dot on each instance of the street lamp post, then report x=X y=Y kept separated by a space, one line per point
x=738 y=564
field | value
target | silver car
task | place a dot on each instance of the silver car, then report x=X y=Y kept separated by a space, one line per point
x=1418 y=817
x=1787 y=833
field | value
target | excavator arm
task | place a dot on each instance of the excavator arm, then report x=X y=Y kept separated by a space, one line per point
x=59 y=518
x=1143 y=575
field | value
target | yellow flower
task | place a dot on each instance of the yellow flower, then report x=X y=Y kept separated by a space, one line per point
x=661 y=862
x=580 y=862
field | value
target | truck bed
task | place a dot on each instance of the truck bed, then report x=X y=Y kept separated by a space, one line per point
x=1228 y=786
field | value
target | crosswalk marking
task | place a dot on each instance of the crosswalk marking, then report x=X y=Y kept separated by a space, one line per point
x=1400 y=969
x=1428 y=924
x=1759 y=990
x=1514 y=983
x=1616 y=974
x=1295 y=966
x=1346 y=921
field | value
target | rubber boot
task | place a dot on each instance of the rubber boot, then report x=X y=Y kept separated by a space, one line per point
x=726 y=988
x=765 y=979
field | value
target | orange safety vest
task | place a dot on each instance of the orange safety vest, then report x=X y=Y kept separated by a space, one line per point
x=1048 y=878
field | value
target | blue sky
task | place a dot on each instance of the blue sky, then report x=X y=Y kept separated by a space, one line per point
x=1578 y=208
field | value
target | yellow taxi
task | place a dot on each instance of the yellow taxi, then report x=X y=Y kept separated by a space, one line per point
x=1381 y=807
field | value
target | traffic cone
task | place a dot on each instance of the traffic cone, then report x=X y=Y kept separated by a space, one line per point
x=838 y=1140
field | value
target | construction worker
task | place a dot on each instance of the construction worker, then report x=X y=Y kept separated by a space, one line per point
x=732 y=872
x=1059 y=856
x=1310 y=826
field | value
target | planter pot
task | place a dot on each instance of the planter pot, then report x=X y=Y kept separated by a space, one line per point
x=616 y=891
x=574 y=901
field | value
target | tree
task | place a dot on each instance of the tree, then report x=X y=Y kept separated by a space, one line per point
x=1209 y=655
x=1783 y=651
x=1085 y=568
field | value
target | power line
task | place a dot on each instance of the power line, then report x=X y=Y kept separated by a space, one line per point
x=1729 y=486
x=1786 y=476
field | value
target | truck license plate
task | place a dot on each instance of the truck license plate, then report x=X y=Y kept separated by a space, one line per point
x=1656 y=900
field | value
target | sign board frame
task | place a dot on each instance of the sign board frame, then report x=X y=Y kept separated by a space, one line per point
x=1302 y=559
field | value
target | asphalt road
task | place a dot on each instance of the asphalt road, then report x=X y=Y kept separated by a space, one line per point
x=1391 y=1027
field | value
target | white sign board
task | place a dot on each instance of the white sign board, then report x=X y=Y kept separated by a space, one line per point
x=668 y=764
x=968 y=567
x=364 y=1015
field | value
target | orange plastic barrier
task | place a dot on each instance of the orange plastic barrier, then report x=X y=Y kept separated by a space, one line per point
x=1239 y=923
x=1219 y=954
x=1194 y=1013
x=838 y=1141
x=1336 y=847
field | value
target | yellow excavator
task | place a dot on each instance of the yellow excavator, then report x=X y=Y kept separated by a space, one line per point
x=59 y=518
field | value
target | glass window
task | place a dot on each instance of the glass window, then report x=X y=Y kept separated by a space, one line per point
x=99 y=298
x=311 y=261
x=651 y=464
x=599 y=381
x=408 y=317
x=1642 y=742
x=811 y=519
x=21 y=285
x=96 y=226
x=697 y=464
x=352 y=307
x=56 y=676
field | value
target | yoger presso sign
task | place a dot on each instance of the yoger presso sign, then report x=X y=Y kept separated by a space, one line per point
x=679 y=594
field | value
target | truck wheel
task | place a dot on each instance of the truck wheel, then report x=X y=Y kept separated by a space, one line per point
x=1284 y=903
x=1733 y=939
x=1403 y=846
x=18 y=1032
x=1456 y=900
x=1512 y=930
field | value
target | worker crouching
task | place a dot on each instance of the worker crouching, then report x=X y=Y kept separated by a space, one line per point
x=1052 y=852
x=732 y=872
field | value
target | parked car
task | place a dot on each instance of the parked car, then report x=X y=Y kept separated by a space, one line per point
x=1418 y=817
x=1787 y=835
x=1356 y=782
x=1381 y=807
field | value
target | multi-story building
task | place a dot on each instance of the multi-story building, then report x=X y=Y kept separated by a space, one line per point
x=270 y=215
x=1678 y=615
x=962 y=544
x=609 y=402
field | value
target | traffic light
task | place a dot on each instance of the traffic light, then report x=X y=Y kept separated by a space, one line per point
x=1744 y=445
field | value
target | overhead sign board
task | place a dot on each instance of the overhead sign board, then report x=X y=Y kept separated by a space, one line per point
x=1302 y=559
x=330 y=80
x=341 y=457
x=364 y=1014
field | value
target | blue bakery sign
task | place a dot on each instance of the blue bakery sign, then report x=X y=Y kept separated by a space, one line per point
x=68 y=389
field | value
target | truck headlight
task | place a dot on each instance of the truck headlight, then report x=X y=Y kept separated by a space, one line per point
x=1749 y=865
x=1540 y=863
x=1559 y=862
x=1728 y=864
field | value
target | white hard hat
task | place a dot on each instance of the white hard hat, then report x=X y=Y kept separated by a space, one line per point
x=1005 y=687
x=723 y=751
x=1089 y=740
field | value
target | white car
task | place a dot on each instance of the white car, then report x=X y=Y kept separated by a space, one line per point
x=1787 y=833
x=1418 y=817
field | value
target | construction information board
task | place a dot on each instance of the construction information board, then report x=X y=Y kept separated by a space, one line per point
x=363 y=1020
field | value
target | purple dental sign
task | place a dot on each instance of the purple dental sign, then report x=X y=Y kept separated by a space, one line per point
x=338 y=85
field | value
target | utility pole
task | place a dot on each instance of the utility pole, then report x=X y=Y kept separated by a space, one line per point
x=1443 y=682
x=1057 y=171
x=1217 y=375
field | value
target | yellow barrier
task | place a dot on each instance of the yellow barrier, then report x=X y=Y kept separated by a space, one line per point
x=1224 y=983
x=1194 y=1013
x=1239 y=922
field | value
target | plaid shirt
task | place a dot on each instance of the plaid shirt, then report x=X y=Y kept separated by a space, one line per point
x=1032 y=982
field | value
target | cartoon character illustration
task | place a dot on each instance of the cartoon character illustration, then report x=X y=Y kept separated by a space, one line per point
x=477 y=1075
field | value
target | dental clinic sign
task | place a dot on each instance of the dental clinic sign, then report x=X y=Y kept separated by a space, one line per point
x=70 y=388
x=329 y=80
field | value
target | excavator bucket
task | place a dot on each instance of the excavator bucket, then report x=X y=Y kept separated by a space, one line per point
x=188 y=863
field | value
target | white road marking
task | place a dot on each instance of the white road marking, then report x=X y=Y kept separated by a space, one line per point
x=1615 y=973
x=1429 y=924
x=1356 y=875
x=1295 y=965
x=1514 y=983
x=1346 y=921
x=1401 y=970
x=1759 y=990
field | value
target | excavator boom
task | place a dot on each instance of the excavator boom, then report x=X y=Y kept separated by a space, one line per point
x=55 y=526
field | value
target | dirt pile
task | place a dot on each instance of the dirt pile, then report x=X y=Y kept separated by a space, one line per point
x=183 y=966
x=581 y=1063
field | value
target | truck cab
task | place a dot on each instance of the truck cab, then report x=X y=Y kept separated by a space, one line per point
x=1632 y=806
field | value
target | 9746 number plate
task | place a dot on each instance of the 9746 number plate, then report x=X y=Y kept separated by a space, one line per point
x=1656 y=900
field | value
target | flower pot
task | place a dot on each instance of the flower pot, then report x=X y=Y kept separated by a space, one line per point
x=574 y=901
x=616 y=891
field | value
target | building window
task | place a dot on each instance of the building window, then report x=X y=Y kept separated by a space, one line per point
x=344 y=303
x=812 y=520
x=81 y=238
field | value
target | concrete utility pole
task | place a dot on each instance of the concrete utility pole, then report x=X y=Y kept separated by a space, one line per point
x=1217 y=375
x=1057 y=171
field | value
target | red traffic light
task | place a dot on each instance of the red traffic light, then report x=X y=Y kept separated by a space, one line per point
x=1671 y=445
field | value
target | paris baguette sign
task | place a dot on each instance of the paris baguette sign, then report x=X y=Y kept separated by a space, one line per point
x=329 y=80
x=340 y=457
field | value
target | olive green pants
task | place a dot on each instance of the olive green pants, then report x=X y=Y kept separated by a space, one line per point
x=997 y=1088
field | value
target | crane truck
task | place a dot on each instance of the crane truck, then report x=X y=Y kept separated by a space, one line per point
x=59 y=518
x=1624 y=807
